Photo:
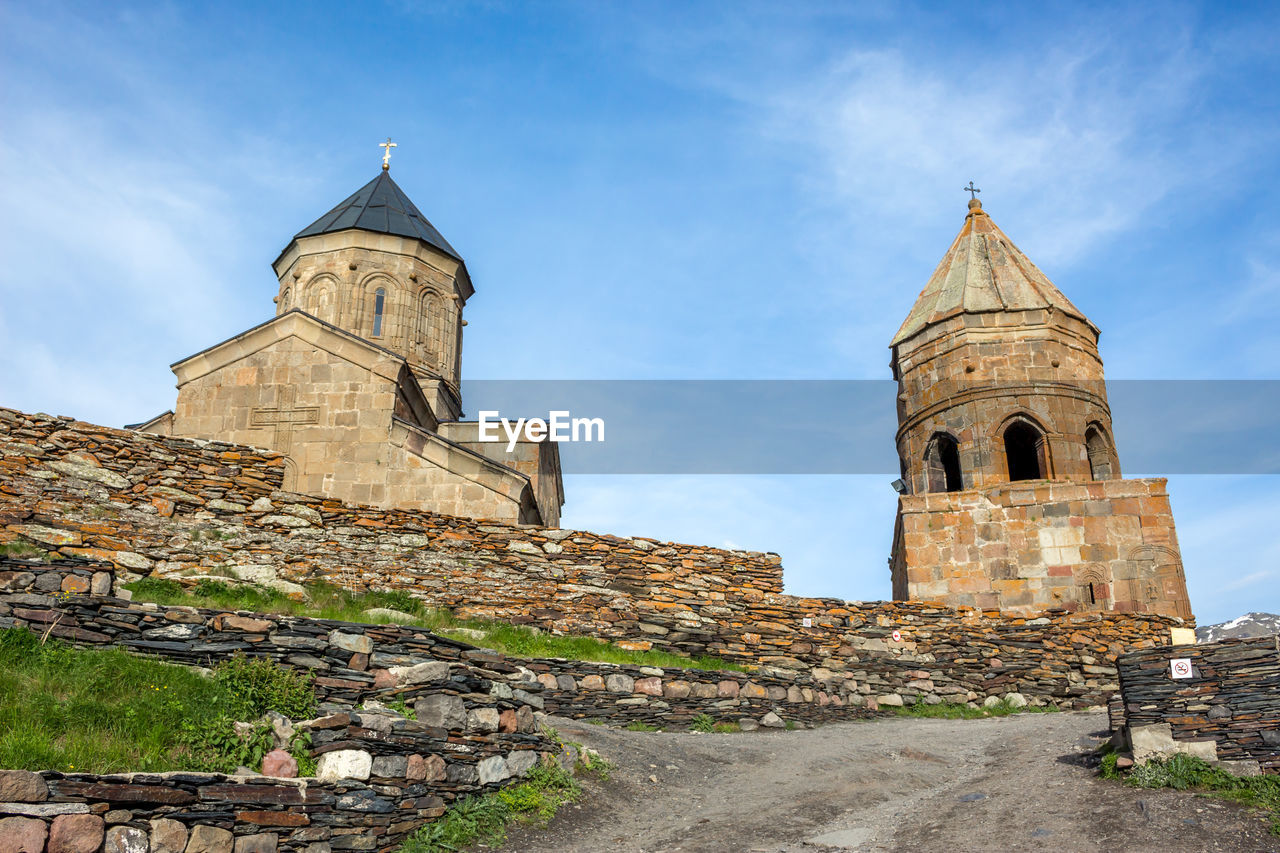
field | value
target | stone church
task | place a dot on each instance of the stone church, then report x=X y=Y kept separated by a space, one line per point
x=357 y=377
x=1011 y=494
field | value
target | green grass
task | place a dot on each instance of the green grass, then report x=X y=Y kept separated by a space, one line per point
x=702 y=723
x=1188 y=773
x=726 y=728
x=95 y=711
x=960 y=711
x=108 y=711
x=642 y=726
x=326 y=601
x=20 y=549
x=484 y=819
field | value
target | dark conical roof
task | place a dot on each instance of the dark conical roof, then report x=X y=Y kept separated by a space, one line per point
x=380 y=206
x=983 y=272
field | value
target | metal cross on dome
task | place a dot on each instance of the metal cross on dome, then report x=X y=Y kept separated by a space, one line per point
x=971 y=189
x=386 y=153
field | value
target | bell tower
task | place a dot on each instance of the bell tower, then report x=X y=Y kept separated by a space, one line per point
x=999 y=377
x=1011 y=494
x=376 y=267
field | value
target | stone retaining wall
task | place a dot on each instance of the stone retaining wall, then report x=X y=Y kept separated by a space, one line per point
x=175 y=508
x=354 y=663
x=1232 y=698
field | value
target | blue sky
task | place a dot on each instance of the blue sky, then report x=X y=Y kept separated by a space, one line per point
x=660 y=191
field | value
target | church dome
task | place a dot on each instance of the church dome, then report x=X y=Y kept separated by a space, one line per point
x=382 y=207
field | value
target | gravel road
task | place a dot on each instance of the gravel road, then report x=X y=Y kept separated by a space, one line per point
x=1024 y=782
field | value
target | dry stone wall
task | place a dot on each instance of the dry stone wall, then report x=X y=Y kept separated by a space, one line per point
x=1232 y=698
x=453 y=684
x=179 y=508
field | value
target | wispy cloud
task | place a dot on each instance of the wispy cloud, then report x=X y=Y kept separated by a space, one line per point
x=1251 y=579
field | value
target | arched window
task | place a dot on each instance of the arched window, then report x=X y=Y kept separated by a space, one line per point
x=432 y=316
x=1024 y=448
x=1099 y=450
x=942 y=464
x=284 y=300
x=379 y=302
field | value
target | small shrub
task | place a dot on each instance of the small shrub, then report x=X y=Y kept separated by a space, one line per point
x=594 y=763
x=726 y=728
x=642 y=726
x=259 y=685
x=403 y=709
x=218 y=748
x=484 y=819
x=702 y=723
x=300 y=749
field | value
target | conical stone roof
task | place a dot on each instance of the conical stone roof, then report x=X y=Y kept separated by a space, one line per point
x=983 y=272
x=380 y=206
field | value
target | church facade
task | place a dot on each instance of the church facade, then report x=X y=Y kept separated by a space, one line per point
x=356 y=380
x=1012 y=496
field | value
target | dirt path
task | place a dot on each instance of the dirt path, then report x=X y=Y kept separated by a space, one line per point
x=1013 y=783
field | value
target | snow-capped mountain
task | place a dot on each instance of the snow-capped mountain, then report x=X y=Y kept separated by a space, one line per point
x=1248 y=625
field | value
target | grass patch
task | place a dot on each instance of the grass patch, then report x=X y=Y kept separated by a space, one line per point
x=326 y=601
x=20 y=549
x=1188 y=773
x=108 y=711
x=726 y=728
x=484 y=819
x=960 y=711
x=642 y=726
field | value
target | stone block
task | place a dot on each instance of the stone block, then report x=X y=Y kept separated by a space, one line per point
x=678 y=689
x=22 y=835
x=521 y=761
x=344 y=764
x=358 y=643
x=280 y=764
x=650 y=686
x=441 y=710
x=618 y=682
x=423 y=673
x=168 y=836
x=390 y=766
x=425 y=768
x=482 y=719
x=126 y=839
x=22 y=786
x=81 y=833
x=492 y=769
x=772 y=721
x=259 y=842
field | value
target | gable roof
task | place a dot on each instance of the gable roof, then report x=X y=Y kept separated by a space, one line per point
x=380 y=206
x=983 y=272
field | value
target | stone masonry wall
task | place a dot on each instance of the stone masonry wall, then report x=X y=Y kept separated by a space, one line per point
x=354 y=663
x=1232 y=696
x=1026 y=546
x=175 y=508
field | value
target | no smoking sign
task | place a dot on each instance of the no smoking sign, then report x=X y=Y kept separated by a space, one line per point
x=1180 y=667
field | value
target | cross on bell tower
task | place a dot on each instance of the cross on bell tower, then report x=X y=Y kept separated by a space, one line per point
x=386 y=154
